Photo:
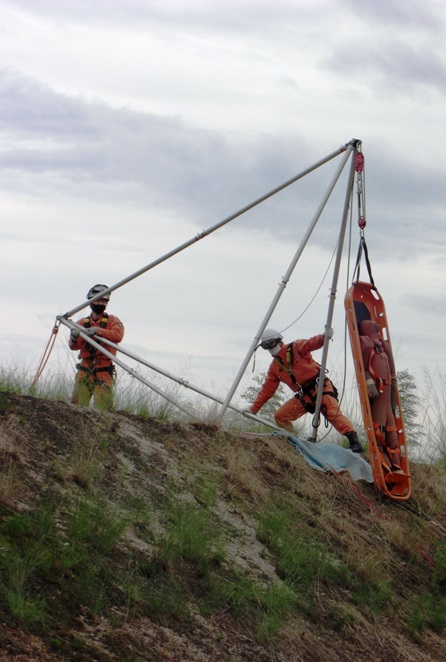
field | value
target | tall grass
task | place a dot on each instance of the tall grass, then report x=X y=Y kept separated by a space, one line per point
x=130 y=394
x=135 y=397
x=433 y=417
x=71 y=546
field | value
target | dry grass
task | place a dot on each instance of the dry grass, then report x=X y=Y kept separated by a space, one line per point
x=358 y=613
x=10 y=481
x=12 y=457
x=243 y=472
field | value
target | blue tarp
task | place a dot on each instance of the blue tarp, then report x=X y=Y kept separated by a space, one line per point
x=326 y=457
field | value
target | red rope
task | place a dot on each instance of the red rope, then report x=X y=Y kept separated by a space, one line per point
x=46 y=354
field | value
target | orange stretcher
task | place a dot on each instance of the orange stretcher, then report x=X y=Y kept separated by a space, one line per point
x=380 y=401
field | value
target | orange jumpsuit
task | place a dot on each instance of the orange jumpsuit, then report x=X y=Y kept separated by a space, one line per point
x=296 y=359
x=95 y=371
x=378 y=361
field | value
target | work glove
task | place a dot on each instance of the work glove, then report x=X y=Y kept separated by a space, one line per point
x=74 y=335
x=91 y=331
x=247 y=410
x=328 y=333
x=371 y=386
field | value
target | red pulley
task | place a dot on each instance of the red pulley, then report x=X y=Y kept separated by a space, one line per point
x=362 y=222
x=359 y=162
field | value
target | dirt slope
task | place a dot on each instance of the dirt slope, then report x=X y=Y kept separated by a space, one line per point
x=392 y=559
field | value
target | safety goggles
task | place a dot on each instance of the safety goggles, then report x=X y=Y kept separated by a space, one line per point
x=269 y=344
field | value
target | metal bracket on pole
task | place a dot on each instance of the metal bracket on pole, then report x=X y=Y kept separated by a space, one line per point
x=348 y=149
x=334 y=285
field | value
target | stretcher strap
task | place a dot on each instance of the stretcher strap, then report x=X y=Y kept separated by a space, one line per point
x=363 y=247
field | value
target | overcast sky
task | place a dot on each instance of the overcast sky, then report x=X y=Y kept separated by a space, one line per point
x=129 y=126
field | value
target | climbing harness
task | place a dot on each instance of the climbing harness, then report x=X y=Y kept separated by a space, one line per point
x=90 y=369
x=86 y=322
x=94 y=371
x=307 y=388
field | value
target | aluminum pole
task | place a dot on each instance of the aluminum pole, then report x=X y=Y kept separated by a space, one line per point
x=285 y=280
x=205 y=233
x=131 y=372
x=182 y=382
x=332 y=299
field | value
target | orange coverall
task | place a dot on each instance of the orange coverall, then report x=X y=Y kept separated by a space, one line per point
x=378 y=361
x=95 y=371
x=305 y=370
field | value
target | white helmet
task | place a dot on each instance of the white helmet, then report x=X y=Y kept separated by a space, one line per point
x=270 y=338
x=270 y=334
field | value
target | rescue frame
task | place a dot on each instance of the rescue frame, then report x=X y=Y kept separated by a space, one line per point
x=362 y=302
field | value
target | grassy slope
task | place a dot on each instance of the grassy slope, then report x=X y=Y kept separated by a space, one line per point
x=131 y=539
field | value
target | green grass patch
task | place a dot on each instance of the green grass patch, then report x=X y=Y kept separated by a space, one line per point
x=301 y=559
x=428 y=610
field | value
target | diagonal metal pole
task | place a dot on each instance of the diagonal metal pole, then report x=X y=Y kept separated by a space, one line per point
x=178 y=380
x=332 y=300
x=186 y=384
x=285 y=280
x=205 y=233
x=125 y=367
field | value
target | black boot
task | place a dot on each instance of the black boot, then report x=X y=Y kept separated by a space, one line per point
x=355 y=444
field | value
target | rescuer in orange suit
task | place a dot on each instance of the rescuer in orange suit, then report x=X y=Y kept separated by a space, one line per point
x=294 y=365
x=95 y=371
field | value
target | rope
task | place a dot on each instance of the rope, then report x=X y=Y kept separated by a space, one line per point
x=306 y=307
x=46 y=354
x=419 y=549
x=315 y=294
x=412 y=509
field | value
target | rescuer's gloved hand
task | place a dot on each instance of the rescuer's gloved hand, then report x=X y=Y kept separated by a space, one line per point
x=74 y=335
x=91 y=331
x=328 y=333
x=247 y=410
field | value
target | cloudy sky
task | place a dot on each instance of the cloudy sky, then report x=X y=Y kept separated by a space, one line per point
x=127 y=127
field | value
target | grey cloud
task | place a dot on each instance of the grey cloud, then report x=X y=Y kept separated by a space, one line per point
x=168 y=159
x=395 y=46
x=396 y=68
x=31 y=108
x=205 y=175
x=430 y=305
x=398 y=14
x=235 y=15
